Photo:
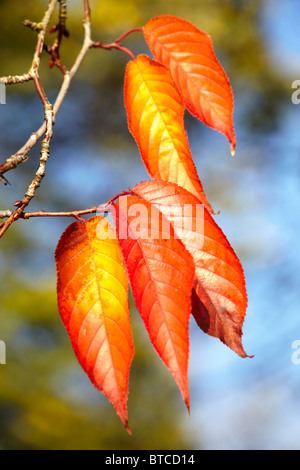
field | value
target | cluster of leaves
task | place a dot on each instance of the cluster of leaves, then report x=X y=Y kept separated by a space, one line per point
x=164 y=241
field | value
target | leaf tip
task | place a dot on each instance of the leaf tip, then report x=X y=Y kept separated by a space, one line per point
x=123 y=415
x=250 y=357
x=187 y=403
x=128 y=428
x=232 y=148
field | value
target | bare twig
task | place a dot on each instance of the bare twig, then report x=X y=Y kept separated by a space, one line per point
x=4 y=180
x=21 y=155
x=87 y=11
x=124 y=35
x=41 y=28
x=117 y=43
x=53 y=50
x=13 y=79
x=40 y=173
x=5 y=214
x=38 y=52
x=50 y=113
x=48 y=110
x=114 y=45
x=77 y=213
x=63 y=18
x=37 y=27
x=14 y=160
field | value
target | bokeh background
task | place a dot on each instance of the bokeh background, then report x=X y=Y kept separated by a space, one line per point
x=46 y=401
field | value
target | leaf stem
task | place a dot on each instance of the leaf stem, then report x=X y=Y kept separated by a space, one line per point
x=117 y=43
x=114 y=45
x=124 y=35
x=77 y=213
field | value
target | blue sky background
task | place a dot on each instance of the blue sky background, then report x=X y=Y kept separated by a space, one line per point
x=254 y=403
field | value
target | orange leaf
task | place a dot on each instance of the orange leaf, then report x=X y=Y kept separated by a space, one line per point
x=219 y=297
x=92 y=292
x=199 y=76
x=155 y=114
x=161 y=273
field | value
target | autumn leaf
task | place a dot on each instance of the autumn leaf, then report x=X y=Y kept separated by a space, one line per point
x=92 y=290
x=161 y=273
x=198 y=74
x=155 y=112
x=219 y=297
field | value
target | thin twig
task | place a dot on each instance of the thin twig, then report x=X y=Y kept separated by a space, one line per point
x=48 y=111
x=117 y=43
x=28 y=215
x=38 y=52
x=13 y=79
x=21 y=155
x=62 y=18
x=87 y=11
x=4 y=180
x=124 y=35
x=5 y=214
x=50 y=114
x=53 y=50
x=77 y=213
x=54 y=58
x=114 y=45
x=14 y=160
x=33 y=25
x=41 y=28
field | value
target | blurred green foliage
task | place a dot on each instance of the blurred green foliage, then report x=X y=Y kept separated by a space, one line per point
x=46 y=402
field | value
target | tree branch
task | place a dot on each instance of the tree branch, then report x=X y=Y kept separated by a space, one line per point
x=41 y=213
x=53 y=50
x=13 y=79
x=21 y=155
x=14 y=160
x=50 y=113
x=77 y=213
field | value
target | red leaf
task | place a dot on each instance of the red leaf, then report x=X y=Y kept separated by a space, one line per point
x=155 y=114
x=161 y=274
x=199 y=76
x=92 y=293
x=219 y=297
